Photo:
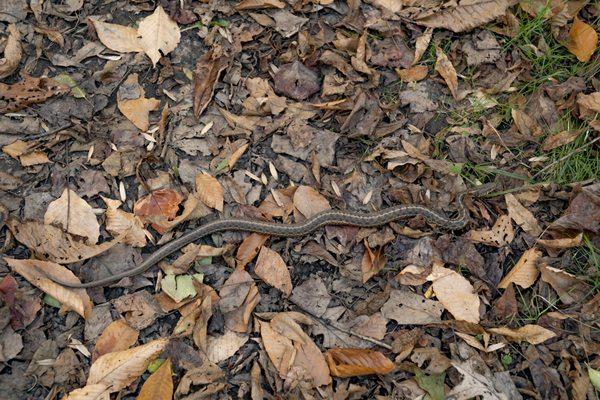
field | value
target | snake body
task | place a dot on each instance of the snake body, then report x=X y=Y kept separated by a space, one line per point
x=329 y=217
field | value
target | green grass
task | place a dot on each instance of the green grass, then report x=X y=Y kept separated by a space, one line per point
x=586 y=264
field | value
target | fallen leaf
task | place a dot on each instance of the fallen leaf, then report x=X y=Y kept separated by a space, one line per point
x=311 y=296
x=525 y=271
x=89 y=392
x=206 y=76
x=594 y=377
x=12 y=52
x=140 y=309
x=421 y=45
x=501 y=234
x=159 y=34
x=309 y=202
x=445 y=68
x=117 y=336
x=455 y=293
x=559 y=139
x=199 y=333
x=345 y=363
x=123 y=39
x=583 y=40
x=562 y=243
x=163 y=203
x=533 y=334
x=11 y=344
x=478 y=382
x=38 y=273
x=522 y=216
x=589 y=104
x=432 y=384
x=258 y=4
x=271 y=268
x=123 y=224
x=413 y=74
x=408 y=308
x=209 y=191
x=249 y=249
x=570 y=289
x=465 y=17
x=23 y=306
x=527 y=125
x=222 y=347
x=179 y=287
x=372 y=262
x=133 y=104
x=30 y=91
x=75 y=215
x=159 y=386
x=296 y=81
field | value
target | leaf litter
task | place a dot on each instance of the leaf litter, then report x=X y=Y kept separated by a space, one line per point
x=126 y=124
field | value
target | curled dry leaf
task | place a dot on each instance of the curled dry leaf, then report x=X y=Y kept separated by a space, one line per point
x=159 y=34
x=562 y=243
x=206 y=75
x=159 y=386
x=525 y=271
x=309 y=202
x=583 y=40
x=372 y=262
x=533 y=334
x=258 y=4
x=412 y=74
x=345 y=363
x=501 y=234
x=522 y=216
x=249 y=249
x=38 y=273
x=464 y=17
x=421 y=45
x=133 y=104
x=570 y=289
x=117 y=336
x=589 y=104
x=455 y=293
x=209 y=191
x=52 y=243
x=123 y=224
x=162 y=203
x=123 y=39
x=89 y=392
x=271 y=268
x=75 y=215
x=12 y=52
x=445 y=68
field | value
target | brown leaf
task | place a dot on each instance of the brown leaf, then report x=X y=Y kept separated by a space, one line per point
x=271 y=268
x=200 y=328
x=501 y=234
x=559 y=139
x=159 y=386
x=455 y=293
x=526 y=124
x=222 y=347
x=51 y=243
x=522 y=216
x=12 y=52
x=421 y=45
x=296 y=81
x=445 y=68
x=583 y=40
x=75 y=215
x=89 y=392
x=206 y=75
x=123 y=39
x=309 y=202
x=30 y=91
x=117 y=336
x=506 y=306
x=408 y=308
x=209 y=191
x=38 y=274
x=462 y=18
x=159 y=34
x=258 y=4
x=589 y=104
x=123 y=224
x=525 y=271
x=533 y=334
x=118 y=369
x=413 y=74
x=139 y=309
x=570 y=289
x=345 y=363
x=133 y=104
x=562 y=243
x=372 y=262
x=249 y=249
x=163 y=203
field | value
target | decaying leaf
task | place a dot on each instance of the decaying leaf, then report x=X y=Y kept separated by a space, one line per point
x=462 y=18
x=222 y=347
x=345 y=363
x=445 y=68
x=38 y=273
x=455 y=293
x=271 y=268
x=159 y=386
x=119 y=38
x=525 y=271
x=209 y=191
x=117 y=336
x=533 y=334
x=570 y=289
x=583 y=40
x=126 y=225
x=522 y=216
x=372 y=262
x=408 y=308
x=501 y=234
x=163 y=203
x=206 y=75
x=30 y=91
x=158 y=34
x=75 y=215
x=309 y=202
x=12 y=52
x=133 y=103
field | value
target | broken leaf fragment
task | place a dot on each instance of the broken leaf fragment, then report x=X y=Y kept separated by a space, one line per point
x=345 y=363
x=180 y=287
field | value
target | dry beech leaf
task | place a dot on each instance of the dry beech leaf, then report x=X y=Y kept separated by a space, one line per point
x=455 y=292
x=209 y=191
x=75 y=215
x=345 y=363
x=522 y=216
x=445 y=68
x=559 y=139
x=117 y=336
x=372 y=262
x=159 y=386
x=163 y=203
x=583 y=40
x=259 y=4
x=89 y=392
x=206 y=76
x=12 y=52
x=309 y=202
x=159 y=34
x=421 y=45
x=222 y=347
x=52 y=243
x=118 y=369
x=133 y=104
x=533 y=334
x=525 y=271
x=271 y=268
x=123 y=39
x=570 y=289
x=501 y=234
x=38 y=273
x=413 y=74
x=249 y=249
x=562 y=243
x=126 y=225
x=462 y=18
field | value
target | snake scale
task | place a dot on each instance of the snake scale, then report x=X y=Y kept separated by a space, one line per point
x=329 y=217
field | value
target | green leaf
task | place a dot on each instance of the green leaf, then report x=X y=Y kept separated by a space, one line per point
x=51 y=301
x=65 y=79
x=219 y=22
x=594 y=377
x=178 y=287
x=432 y=384
x=455 y=169
x=154 y=365
x=507 y=360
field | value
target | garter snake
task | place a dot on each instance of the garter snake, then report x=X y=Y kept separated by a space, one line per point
x=329 y=217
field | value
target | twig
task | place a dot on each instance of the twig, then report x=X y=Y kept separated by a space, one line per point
x=572 y=153
x=50 y=132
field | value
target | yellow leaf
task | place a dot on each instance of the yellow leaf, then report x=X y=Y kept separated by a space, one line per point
x=159 y=386
x=583 y=40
